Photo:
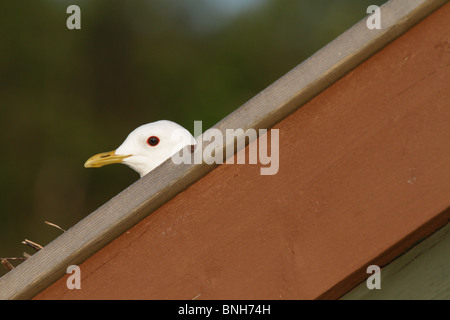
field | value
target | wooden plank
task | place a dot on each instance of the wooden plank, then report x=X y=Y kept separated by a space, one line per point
x=364 y=174
x=421 y=273
x=263 y=111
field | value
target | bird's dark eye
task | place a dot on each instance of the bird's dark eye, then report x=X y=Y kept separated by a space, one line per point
x=153 y=141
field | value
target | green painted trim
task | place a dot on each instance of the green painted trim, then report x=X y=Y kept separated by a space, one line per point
x=422 y=273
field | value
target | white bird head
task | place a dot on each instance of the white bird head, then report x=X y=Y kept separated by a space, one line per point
x=146 y=147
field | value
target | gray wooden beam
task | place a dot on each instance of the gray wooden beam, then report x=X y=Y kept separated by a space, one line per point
x=263 y=111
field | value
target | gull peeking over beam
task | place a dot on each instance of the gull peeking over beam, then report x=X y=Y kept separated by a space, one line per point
x=146 y=147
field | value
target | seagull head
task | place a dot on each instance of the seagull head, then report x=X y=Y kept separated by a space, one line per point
x=146 y=147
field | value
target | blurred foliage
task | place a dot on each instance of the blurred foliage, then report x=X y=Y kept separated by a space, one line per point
x=68 y=94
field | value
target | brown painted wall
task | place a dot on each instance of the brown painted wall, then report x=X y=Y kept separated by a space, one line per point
x=364 y=172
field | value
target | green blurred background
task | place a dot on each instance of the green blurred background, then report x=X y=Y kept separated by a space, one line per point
x=66 y=95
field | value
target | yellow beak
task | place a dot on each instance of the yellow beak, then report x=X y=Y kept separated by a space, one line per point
x=102 y=159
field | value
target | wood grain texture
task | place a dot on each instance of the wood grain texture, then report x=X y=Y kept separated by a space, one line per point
x=364 y=174
x=421 y=273
x=263 y=111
